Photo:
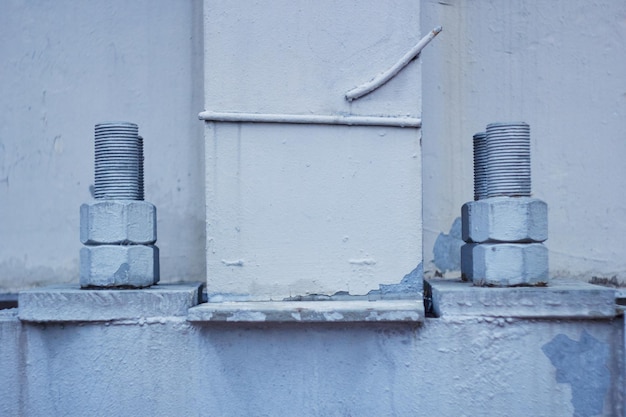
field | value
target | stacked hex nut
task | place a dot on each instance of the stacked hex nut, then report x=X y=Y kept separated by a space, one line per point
x=504 y=236
x=118 y=222
x=119 y=236
x=119 y=228
x=505 y=219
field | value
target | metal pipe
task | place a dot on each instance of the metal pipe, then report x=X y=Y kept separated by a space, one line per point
x=211 y=116
x=385 y=76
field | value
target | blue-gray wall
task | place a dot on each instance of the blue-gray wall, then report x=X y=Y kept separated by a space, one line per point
x=454 y=366
x=67 y=65
x=559 y=66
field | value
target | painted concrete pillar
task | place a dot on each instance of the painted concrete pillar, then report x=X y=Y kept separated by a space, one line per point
x=308 y=192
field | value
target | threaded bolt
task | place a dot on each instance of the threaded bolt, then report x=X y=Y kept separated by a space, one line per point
x=508 y=160
x=480 y=169
x=118 y=162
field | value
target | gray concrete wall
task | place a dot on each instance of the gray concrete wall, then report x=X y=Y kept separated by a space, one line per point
x=67 y=65
x=559 y=66
x=457 y=366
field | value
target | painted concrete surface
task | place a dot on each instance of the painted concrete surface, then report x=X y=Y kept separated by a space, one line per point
x=561 y=299
x=298 y=210
x=294 y=210
x=11 y=363
x=573 y=359
x=455 y=366
x=310 y=311
x=66 y=66
x=303 y=57
x=558 y=66
x=69 y=302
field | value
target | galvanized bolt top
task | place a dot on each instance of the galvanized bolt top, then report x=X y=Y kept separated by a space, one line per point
x=118 y=161
x=480 y=165
x=508 y=160
x=508 y=125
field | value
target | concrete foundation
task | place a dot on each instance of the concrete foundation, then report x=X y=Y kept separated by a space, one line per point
x=472 y=361
x=68 y=302
x=310 y=312
x=562 y=299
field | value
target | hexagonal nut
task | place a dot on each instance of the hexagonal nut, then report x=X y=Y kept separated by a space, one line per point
x=505 y=264
x=467 y=261
x=505 y=219
x=118 y=222
x=134 y=266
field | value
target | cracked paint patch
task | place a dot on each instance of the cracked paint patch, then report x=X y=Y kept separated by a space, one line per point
x=411 y=283
x=583 y=365
x=447 y=249
x=410 y=287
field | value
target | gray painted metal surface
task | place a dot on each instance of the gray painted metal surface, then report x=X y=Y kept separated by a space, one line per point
x=119 y=229
x=480 y=169
x=508 y=159
x=502 y=229
x=504 y=219
x=118 y=222
x=119 y=266
x=505 y=264
x=119 y=161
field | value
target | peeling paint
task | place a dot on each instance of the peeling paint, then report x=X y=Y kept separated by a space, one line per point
x=584 y=365
x=411 y=286
x=447 y=249
x=411 y=283
x=333 y=316
x=311 y=312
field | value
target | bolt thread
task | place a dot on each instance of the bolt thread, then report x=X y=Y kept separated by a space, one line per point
x=508 y=160
x=118 y=162
x=141 y=158
x=480 y=168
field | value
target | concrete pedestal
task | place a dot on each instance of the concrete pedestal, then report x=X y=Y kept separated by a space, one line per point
x=69 y=302
x=561 y=299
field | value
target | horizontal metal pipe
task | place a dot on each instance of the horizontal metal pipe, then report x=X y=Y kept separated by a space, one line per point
x=211 y=116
